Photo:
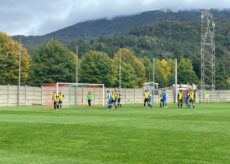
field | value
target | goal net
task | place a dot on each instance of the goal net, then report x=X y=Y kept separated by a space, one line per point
x=74 y=93
x=152 y=87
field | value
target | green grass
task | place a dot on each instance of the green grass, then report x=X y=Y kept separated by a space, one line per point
x=129 y=135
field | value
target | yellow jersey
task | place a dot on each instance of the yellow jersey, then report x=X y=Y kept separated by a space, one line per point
x=60 y=96
x=180 y=96
x=113 y=96
x=191 y=95
x=54 y=97
x=146 y=95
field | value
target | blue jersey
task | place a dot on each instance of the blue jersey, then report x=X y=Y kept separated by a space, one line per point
x=187 y=97
x=149 y=98
x=164 y=96
x=109 y=98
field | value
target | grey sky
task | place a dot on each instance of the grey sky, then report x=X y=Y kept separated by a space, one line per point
x=38 y=17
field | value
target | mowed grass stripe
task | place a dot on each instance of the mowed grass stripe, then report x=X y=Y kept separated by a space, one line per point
x=131 y=135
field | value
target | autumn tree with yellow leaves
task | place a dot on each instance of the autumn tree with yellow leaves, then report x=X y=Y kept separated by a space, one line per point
x=10 y=50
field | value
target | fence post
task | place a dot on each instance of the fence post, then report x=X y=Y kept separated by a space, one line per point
x=25 y=95
x=134 y=96
x=219 y=94
x=125 y=97
x=82 y=97
x=42 y=95
x=69 y=95
x=94 y=95
x=76 y=97
x=8 y=94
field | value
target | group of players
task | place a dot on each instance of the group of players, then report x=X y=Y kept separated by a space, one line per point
x=113 y=99
x=57 y=100
x=147 y=99
x=187 y=96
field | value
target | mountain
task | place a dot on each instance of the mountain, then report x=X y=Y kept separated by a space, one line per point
x=117 y=26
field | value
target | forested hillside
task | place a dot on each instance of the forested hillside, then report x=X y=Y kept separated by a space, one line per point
x=168 y=39
x=117 y=26
x=160 y=34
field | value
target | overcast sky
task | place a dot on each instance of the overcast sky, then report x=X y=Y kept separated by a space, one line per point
x=38 y=17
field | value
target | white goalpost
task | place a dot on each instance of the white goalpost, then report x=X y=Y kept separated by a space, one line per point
x=75 y=93
x=152 y=87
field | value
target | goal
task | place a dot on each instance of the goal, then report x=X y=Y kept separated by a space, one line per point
x=152 y=87
x=74 y=93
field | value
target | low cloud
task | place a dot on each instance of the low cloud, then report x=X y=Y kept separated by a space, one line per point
x=29 y=17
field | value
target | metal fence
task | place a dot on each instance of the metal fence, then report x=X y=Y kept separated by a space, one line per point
x=26 y=95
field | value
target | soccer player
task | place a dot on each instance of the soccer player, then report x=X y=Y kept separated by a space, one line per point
x=119 y=99
x=57 y=102
x=187 y=99
x=149 y=101
x=54 y=99
x=192 y=98
x=164 y=99
x=146 y=97
x=180 y=97
x=114 y=99
x=109 y=100
x=60 y=98
x=161 y=99
x=89 y=98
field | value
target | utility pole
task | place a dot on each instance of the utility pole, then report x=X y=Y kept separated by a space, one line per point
x=76 y=75
x=153 y=81
x=19 y=72
x=120 y=73
x=175 y=80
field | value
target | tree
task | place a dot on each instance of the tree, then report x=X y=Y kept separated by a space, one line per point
x=148 y=68
x=128 y=79
x=9 y=61
x=97 y=67
x=186 y=73
x=221 y=78
x=51 y=63
x=159 y=74
x=128 y=57
x=166 y=68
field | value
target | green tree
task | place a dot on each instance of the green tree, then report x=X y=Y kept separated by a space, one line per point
x=128 y=57
x=97 y=67
x=128 y=79
x=51 y=63
x=221 y=78
x=148 y=68
x=186 y=73
x=9 y=61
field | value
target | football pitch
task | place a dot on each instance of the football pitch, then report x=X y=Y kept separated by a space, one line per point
x=129 y=135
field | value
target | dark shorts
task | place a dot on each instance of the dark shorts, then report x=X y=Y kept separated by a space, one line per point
x=119 y=100
x=191 y=101
x=60 y=102
x=146 y=100
x=180 y=101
